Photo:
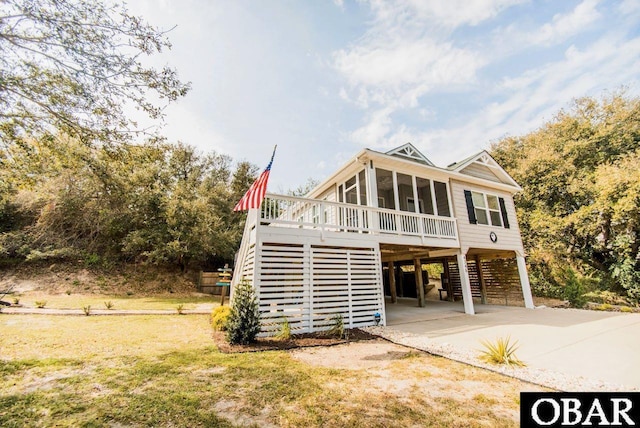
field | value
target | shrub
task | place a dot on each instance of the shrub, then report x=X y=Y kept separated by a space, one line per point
x=604 y=307
x=220 y=318
x=501 y=352
x=244 y=322
x=40 y=303
x=608 y=297
x=180 y=308
x=285 y=330
x=108 y=304
x=573 y=289
x=626 y=309
x=16 y=300
x=87 y=310
x=338 y=326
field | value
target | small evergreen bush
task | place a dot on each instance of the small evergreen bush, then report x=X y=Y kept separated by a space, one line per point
x=220 y=318
x=573 y=289
x=244 y=322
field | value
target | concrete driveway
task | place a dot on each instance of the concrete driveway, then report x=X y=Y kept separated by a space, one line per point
x=597 y=345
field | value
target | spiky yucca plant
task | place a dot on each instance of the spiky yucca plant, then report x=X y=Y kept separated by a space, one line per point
x=501 y=352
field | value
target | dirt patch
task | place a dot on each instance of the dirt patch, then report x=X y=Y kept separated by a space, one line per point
x=361 y=355
x=296 y=341
x=74 y=277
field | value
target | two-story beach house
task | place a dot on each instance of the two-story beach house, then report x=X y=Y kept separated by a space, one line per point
x=352 y=239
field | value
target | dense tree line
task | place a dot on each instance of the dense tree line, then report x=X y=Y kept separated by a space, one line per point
x=157 y=203
x=579 y=210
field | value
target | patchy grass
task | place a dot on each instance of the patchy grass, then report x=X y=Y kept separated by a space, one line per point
x=164 y=371
x=78 y=301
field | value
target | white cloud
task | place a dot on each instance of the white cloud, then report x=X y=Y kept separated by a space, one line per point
x=533 y=98
x=567 y=25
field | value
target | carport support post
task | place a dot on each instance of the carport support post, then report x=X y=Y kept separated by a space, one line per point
x=465 y=284
x=392 y=282
x=419 y=282
x=483 y=284
x=524 y=282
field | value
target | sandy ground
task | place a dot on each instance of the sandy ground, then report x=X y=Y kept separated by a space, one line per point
x=404 y=372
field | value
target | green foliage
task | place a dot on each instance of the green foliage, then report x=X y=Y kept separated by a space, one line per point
x=74 y=65
x=501 y=352
x=337 y=329
x=434 y=270
x=604 y=307
x=220 y=318
x=285 y=330
x=244 y=322
x=86 y=310
x=180 y=308
x=580 y=204
x=573 y=289
x=40 y=303
x=108 y=304
x=626 y=309
x=164 y=204
x=607 y=297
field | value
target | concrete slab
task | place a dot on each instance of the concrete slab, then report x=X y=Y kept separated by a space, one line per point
x=597 y=345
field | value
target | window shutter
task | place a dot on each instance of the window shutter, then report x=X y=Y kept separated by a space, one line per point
x=503 y=211
x=470 y=210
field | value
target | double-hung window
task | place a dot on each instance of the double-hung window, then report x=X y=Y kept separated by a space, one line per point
x=486 y=209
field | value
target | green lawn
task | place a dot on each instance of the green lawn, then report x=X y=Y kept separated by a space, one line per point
x=165 y=371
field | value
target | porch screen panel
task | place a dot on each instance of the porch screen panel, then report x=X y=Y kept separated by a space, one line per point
x=405 y=193
x=362 y=185
x=442 y=198
x=283 y=276
x=386 y=199
x=425 y=203
x=384 y=181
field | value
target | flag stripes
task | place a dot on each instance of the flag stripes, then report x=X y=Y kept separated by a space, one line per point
x=254 y=196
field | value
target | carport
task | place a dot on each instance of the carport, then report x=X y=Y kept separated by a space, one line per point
x=599 y=346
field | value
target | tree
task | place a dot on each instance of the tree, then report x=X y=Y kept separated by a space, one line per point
x=580 y=204
x=72 y=66
x=244 y=322
x=164 y=204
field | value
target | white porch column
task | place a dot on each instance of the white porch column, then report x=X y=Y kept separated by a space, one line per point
x=524 y=282
x=467 y=298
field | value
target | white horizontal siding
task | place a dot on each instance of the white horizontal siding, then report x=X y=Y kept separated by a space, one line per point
x=477 y=235
x=480 y=171
x=310 y=284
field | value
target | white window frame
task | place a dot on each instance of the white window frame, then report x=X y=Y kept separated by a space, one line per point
x=487 y=210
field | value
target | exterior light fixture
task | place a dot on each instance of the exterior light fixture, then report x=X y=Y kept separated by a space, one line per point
x=377 y=317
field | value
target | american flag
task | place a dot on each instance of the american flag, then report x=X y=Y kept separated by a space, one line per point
x=254 y=196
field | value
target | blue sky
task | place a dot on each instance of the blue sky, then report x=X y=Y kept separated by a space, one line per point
x=323 y=79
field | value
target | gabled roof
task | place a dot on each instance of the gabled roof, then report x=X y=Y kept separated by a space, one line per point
x=482 y=165
x=408 y=151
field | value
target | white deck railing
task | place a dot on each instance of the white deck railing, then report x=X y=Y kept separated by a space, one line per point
x=290 y=211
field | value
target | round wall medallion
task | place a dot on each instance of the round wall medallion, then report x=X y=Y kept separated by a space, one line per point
x=493 y=237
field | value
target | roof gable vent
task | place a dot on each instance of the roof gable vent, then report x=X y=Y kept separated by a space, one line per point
x=409 y=152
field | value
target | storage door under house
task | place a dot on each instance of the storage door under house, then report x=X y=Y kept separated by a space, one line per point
x=310 y=284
